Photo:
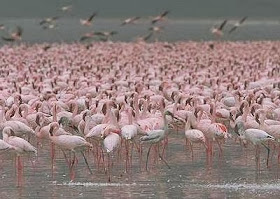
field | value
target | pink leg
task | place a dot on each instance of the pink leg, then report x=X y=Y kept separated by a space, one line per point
x=52 y=158
x=220 y=148
x=20 y=171
x=191 y=147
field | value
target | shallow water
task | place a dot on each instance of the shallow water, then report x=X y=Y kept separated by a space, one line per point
x=231 y=176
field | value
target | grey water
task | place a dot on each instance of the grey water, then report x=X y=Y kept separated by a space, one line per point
x=70 y=30
x=232 y=175
x=187 y=20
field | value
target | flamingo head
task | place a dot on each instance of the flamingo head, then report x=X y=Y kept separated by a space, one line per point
x=110 y=129
x=54 y=126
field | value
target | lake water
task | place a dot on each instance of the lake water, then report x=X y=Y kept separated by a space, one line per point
x=231 y=176
x=70 y=30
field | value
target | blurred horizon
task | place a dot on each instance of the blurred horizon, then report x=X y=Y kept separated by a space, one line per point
x=193 y=9
x=187 y=20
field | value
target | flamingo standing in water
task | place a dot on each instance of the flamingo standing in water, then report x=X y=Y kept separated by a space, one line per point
x=111 y=141
x=72 y=143
x=128 y=132
x=155 y=136
x=193 y=135
x=21 y=147
x=257 y=137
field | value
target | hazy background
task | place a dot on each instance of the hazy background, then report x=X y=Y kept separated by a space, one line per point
x=188 y=19
x=124 y=8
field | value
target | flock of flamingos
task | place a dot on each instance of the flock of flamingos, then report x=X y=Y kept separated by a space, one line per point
x=127 y=98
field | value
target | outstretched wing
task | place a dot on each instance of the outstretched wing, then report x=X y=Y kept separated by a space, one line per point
x=164 y=13
x=8 y=38
x=233 y=29
x=43 y=22
x=242 y=20
x=19 y=30
x=83 y=38
x=92 y=16
x=222 y=25
x=148 y=36
x=113 y=32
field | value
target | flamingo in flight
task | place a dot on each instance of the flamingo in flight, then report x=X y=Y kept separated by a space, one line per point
x=14 y=36
x=87 y=22
x=160 y=17
x=218 y=31
x=236 y=25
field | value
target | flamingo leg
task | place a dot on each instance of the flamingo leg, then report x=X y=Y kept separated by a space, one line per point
x=127 y=155
x=191 y=146
x=20 y=170
x=132 y=146
x=52 y=157
x=164 y=161
x=66 y=159
x=109 y=167
x=187 y=143
x=72 y=173
x=86 y=162
x=165 y=142
x=148 y=156
x=268 y=151
x=220 y=148
x=137 y=147
x=257 y=158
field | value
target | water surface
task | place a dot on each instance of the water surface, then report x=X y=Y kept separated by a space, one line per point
x=231 y=176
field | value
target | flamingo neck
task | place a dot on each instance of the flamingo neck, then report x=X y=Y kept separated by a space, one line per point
x=129 y=116
x=3 y=119
x=54 y=113
x=136 y=106
x=76 y=108
x=188 y=125
x=5 y=136
x=245 y=114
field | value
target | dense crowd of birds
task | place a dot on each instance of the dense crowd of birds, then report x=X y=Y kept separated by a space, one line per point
x=51 y=23
x=120 y=96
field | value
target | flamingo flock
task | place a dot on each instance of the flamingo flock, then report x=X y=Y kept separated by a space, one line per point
x=127 y=98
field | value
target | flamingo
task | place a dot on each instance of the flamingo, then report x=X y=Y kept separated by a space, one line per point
x=71 y=143
x=236 y=25
x=218 y=31
x=111 y=141
x=160 y=17
x=193 y=135
x=257 y=137
x=155 y=136
x=14 y=36
x=21 y=147
x=130 y=20
x=87 y=22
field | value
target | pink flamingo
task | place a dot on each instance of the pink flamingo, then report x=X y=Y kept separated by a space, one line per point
x=193 y=135
x=155 y=136
x=71 y=143
x=20 y=146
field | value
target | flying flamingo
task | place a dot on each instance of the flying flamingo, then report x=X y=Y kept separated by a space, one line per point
x=87 y=22
x=160 y=17
x=218 y=31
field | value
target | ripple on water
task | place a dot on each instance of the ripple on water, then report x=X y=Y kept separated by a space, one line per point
x=91 y=184
x=245 y=186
